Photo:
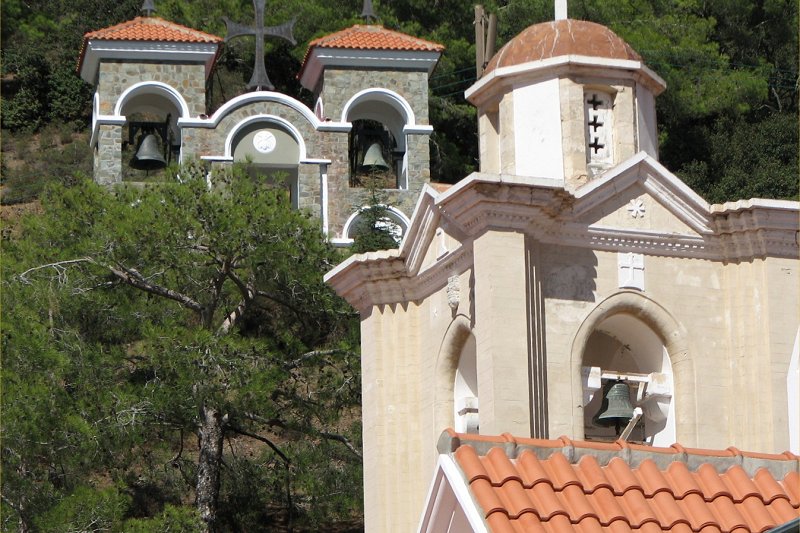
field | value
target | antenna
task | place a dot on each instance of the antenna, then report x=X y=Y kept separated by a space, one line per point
x=368 y=14
x=148 y=8
x=485 y=36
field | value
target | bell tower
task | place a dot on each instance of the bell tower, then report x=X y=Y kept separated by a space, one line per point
x=565 y=100
x=374 y=81
x=148 y=75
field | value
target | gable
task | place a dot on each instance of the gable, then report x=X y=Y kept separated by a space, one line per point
x=641 y=195
x=636 y=209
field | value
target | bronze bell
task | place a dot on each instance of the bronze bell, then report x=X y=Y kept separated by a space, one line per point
x=373 y=159
x=616 y=409
x=148 y=156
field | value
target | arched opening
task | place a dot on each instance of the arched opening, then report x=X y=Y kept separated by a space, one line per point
x=378 y=221
x=623 y=325
x=151 y=138
x=455 y=375
x=465 y=389
x=627 y=347
x=379 y=118
x=269 y=151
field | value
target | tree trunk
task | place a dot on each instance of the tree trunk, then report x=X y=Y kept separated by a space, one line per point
x=208 y=468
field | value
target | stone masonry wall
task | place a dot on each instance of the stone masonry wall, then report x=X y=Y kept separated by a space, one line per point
x=115 y=77
x=339 y=85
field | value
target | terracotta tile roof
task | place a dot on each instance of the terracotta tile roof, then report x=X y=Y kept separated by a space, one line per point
x=373 y=38
x=561 y=485
x=152 y=29
x=559 y=38
x=440 y=187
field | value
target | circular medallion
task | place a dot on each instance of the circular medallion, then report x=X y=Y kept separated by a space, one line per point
x=264 y=141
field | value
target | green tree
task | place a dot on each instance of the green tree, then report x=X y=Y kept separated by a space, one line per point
x=167 y=311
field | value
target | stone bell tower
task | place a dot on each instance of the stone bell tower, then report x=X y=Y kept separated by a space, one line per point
x=375 y=81
x=149 y=74
x=565 y=100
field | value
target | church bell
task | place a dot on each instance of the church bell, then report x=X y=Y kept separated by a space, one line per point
x=616 y=409
x=373 y=158
x=149 y=156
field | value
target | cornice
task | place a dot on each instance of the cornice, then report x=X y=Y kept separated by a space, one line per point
x=733 y=232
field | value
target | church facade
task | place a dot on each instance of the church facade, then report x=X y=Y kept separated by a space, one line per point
x=369 y=121
x=571 y=262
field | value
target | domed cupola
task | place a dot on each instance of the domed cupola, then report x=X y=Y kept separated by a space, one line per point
x=565 y=100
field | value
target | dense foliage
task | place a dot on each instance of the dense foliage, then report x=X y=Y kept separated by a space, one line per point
x=728 y=120
x=171 y=355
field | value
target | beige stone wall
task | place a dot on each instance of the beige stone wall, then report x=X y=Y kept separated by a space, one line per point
x=735 y=327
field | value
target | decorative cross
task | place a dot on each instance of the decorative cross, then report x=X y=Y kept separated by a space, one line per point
x=595 y=123
x=259 y=81
x=594 y=101
x=631 y=270
x=595 y=144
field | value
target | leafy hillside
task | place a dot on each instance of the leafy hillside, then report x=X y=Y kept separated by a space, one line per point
x=728 y=120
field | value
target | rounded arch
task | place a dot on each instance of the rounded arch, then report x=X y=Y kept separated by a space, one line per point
x=453 y=343
x=281 y=122
x=675 y=341
x=395 y=214
x=152 y=88
x=384 y=106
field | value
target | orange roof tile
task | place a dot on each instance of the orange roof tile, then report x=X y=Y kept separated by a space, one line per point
x=374 y=38
x=152 y=29
x=559 y=38
x=562 y=485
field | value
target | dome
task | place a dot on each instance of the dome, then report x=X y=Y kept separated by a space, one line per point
x=561 y=38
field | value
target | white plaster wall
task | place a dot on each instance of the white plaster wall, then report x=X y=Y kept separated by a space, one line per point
x=646 y=129
x=537 y=128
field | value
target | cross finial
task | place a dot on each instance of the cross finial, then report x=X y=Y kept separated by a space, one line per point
x=259 y=80
x=368 y=14
x=561 y=9
x=148 y=8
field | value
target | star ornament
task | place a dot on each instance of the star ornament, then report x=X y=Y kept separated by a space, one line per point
x=636 y=208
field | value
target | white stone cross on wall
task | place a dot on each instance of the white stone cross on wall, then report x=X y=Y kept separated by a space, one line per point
x=631 y=270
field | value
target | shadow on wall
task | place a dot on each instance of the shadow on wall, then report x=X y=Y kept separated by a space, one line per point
x=571 y=275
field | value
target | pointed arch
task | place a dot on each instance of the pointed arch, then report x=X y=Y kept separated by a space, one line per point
x=455 y=338
x=675 y=340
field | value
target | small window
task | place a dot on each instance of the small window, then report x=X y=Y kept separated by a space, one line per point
x=597 y=112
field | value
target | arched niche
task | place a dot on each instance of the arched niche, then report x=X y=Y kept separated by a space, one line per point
x=455 y=372
x=270 y=150
x=631 y=333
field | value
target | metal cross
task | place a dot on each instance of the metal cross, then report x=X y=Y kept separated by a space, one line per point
x=596 y=145
x=595 y=123
x=259 y=81
x=594 y=101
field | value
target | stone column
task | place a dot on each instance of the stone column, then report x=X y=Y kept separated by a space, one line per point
x=501 y=331
x=108 y=155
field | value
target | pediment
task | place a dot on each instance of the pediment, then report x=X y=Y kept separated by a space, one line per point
x=642 y=195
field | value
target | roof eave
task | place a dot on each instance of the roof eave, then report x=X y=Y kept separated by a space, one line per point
x=320 y=58
x=637 y=69
x=96 y=50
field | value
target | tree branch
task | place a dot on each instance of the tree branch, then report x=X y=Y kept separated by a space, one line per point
x=343 y=440
x=58 y=266
x=133 y=278
x=265 y=440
